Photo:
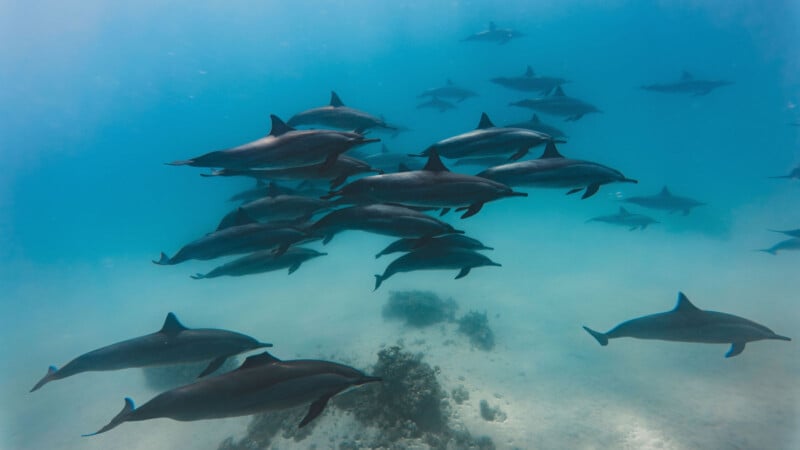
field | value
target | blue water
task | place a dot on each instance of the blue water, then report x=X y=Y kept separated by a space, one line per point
x=95 y=97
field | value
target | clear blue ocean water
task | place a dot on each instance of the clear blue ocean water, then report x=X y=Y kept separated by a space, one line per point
x=95 y=97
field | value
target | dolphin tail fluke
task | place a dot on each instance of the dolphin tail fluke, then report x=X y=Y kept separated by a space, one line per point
x=185 y=162
x=50 y=376
x=118 y=419
x=601 y=337
x=163 y=260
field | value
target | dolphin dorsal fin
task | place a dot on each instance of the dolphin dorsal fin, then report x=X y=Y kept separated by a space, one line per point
x=665 y=192
x=558 y=92
x=492 y=26
x=336 y=102
x=623 y=211
x=684 y=305
x=550 y=151
x=261 y=359
x=485 y=122
x=384 y=148
x=535 y=119
x=279 y=127
x=273 y=189
x=171 y=325
x=686 y=76
x=435 y=163
x=529 y=72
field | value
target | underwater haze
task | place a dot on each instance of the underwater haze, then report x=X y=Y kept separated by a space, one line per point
x=95 y=98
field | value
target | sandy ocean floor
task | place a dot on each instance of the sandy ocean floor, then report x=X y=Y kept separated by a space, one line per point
x=557 y=387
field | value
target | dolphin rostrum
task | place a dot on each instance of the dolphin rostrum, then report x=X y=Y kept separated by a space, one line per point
x=172 y=344
x=559 y=104
x=688 y=84
x=626 y=219
x=529 y=82
x=687 y=323
x=665 y=201
x=794 y=174
x=337 y=115
x=261 y=383
x=263 y=261
x=436 y=258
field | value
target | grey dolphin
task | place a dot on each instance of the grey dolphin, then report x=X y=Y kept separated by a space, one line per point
x=794 y=174
x=261 y=189
x=283 y=147
x=262 y=383
x=536 y=124
x=436 y=258
x=172 y=344
x=494 y=34
x=489 y=140
x=288 y=208
x=559 y=104
x=449 y=90
x=687 y=323
x=552 y=170
x=390 y=220
x=626 y=219
x=243 y=237
x=337 y=115
x=688 y=84
x=335 y=173
x=433 y=186
x=459 y=241
x=388 y=161
x=785 y=245
x=664 y=200
x=438 y=104
x=529 y=82
x=792 y=233
x=263 y=261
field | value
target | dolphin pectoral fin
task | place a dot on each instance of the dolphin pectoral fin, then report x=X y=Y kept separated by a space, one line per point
x=519 y=154
x=50 y=376
x=378 y=280
x=574 y=191
x=601 y=337
x=464 y=272
x=590 y=191
x=315 y=410
x=327 y=239
x=472 y=210
x=127 y=410
x=294 y=267
x=281 y=250
x=736 y=348
x=444 y=211
x=338 y=181
x=215 y=364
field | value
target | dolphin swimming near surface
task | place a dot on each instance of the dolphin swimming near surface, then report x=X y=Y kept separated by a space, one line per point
x=664 y=200
x=446 y=241
x=687 y=323
x=263 y=261
x=494 y=34
x=337 y=115
x=535 y=124
x=558 y=104
x=552 y=170
x=626 y=219
x=283 y=147
x=261 y=383
x=436 y=258
x=390 y=220
x=172 y=344
x=438 y=104
x=449 y=90
x=688 y=84
x=489 y=140
x=785 y=245
x=434 y=186
x=529 y=82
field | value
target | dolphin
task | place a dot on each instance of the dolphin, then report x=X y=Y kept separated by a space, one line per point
x=536 y=124
x=433 y=186
x=785 y=245
x=449 y=90
x=388 y=161
x=688 y=323
x=558 y=104
x=390 y=220
x=263 y=261
x=438 y=104
x=794 y=174
x=436 y=258
x=446 y=241
x=664 y=200
x=288 y=208
x=792 y=233
x=283 y=147
x=494 y=34
x=626 y=219
x=335 y=173
x=172 y=344
x=261 y=189
x=261 y=383
x=245 y=236
x=529 y=82
x=688 y=84
x=489 y=140
x=552 y=170
x=337 y=115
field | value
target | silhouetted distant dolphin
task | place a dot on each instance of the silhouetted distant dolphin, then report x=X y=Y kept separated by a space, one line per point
x=529 y=82
x=626 y=219
x=687 y=323
x=558 y=104
x=785 y=245
x=449 y=90
x=687 y=85
x=172 y=344
x=664 y=200
x=494 y=34
x=337 y=115
x=262 y=383
x=794 y=174
x=438 y=104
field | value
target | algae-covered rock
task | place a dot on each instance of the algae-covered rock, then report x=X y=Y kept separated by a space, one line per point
x=476 y=326
x=419 y=308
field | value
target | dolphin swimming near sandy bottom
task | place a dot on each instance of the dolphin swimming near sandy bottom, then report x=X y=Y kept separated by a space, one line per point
x=261 y=262
x=785 y=245
x=687 y=85
x=665 y=201
x=436 y=259
x=687 y=323
x=448 y=241
x=172 y=344
x=626 y=219
x=261 y=383
x=559 y=104
x=337 y=115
